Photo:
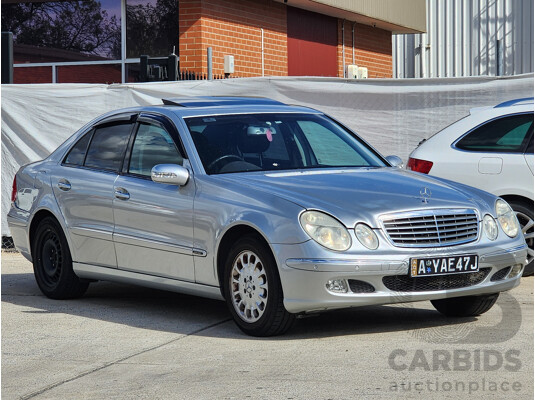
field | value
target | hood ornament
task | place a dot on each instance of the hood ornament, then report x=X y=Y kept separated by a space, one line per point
x=425 y=194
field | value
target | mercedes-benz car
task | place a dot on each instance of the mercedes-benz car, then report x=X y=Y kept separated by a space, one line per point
x=279 y=210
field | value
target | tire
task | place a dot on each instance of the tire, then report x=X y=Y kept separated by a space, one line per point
x=253 y=291
x=52 y=263
x=467 y=306
x=524 y=213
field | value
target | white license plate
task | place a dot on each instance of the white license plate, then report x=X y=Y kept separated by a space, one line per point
x=444 y=265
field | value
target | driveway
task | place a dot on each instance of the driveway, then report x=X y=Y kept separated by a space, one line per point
x=125 y=342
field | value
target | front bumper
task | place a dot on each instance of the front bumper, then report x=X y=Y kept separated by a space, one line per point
x=304 y=279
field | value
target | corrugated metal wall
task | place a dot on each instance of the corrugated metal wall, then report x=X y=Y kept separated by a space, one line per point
x=468 y=38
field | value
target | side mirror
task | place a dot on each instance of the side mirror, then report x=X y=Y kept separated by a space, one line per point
x=171 y=174
x=395 y=161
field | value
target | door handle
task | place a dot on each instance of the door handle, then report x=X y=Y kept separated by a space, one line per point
x=121 y=193
x=64 y=185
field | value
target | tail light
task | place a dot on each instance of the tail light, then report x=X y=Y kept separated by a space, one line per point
x=423 y=166
x=14 y=190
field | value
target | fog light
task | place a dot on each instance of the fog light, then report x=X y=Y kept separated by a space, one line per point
x=516 y=270
x=337 y=286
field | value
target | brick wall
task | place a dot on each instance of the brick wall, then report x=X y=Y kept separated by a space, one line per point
x=69 y=74
x=373 y=49
x=233 y=27
x=108 y=73
x=32 y=75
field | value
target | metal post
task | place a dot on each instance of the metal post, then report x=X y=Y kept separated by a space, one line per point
x=209 y=60
x=343 y=49
x=172 y=67
x=143 y=68
x=54 y=74
x=499 y=57
x=7 y=57
x=353 y=41
x=262 y=30
x=123 y=41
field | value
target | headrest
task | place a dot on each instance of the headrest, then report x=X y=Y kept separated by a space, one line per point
x=253 y=143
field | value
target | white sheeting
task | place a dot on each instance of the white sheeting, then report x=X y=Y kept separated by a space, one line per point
x=392 y=115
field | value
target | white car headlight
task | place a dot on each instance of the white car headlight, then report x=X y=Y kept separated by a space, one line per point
x=366 y=236
x=490 y=227
x=507 y=218
x=325 y=230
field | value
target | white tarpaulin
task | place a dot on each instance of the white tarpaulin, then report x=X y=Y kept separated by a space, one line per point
x=392 y=115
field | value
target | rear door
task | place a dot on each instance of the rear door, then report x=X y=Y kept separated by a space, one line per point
x=154 y=221
x=83 y=186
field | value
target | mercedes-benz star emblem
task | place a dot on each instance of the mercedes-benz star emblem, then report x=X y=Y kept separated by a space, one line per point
x=425 y=194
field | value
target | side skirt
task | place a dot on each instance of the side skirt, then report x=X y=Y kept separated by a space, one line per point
x=88 y=271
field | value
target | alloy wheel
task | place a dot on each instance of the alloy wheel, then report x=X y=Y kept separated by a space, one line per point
x=249 y=286
x=526 y=224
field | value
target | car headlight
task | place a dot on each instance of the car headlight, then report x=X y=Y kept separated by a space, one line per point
x=506 y=218
x=325 y=230
x=366 y=236
x=490 y=227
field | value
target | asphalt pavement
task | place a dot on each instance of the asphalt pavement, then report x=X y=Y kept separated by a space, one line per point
x=126 y=342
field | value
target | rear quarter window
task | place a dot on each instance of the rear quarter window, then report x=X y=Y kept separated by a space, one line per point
x=77 y=153
x=107 y=148
x=508 y=134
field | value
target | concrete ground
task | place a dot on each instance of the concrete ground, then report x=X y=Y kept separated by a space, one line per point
x=125 y=342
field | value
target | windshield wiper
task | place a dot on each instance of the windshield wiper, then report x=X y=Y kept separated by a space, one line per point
x=338 y=166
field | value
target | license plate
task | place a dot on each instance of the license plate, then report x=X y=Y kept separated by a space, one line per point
x=444 y=265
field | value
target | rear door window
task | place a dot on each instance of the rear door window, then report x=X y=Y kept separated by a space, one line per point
x=108 y=146
x=503 y=135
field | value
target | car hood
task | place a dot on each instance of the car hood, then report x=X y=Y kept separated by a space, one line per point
x=361 y=195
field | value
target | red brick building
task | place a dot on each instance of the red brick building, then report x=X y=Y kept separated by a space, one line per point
x=264 y=37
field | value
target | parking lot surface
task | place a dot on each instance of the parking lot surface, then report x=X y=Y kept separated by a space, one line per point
x=125 y=342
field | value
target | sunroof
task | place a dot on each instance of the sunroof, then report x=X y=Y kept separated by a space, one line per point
x=214 y=101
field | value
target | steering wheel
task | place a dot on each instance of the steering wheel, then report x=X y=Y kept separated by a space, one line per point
x=238 y=158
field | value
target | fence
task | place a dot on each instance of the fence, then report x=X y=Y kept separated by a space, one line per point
x=393 y=115
x=7 y=243
x=195 y=76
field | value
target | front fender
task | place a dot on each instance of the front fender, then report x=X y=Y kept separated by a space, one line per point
x=219 y=208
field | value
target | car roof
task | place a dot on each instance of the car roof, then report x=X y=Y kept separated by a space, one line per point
x=502 y=108
x=214 y=101
x=515 y=102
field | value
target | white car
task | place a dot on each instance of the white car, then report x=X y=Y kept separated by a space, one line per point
x=491 y=149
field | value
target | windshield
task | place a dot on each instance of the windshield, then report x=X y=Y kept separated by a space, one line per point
x=268 y=142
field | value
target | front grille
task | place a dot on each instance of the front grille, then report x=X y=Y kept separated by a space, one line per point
x=406 y=283
x=502 y=273
x=360 y=286
x=431 y=228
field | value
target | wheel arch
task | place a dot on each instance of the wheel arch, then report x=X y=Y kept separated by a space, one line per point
x=36 y=220
x=229 y=237
x=517 y=198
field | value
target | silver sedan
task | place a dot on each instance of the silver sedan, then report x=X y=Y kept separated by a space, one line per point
x=279 y=210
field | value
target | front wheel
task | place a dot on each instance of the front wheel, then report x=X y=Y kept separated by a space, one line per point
x=467 y=306
x=253 y=290
x=52 y=263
